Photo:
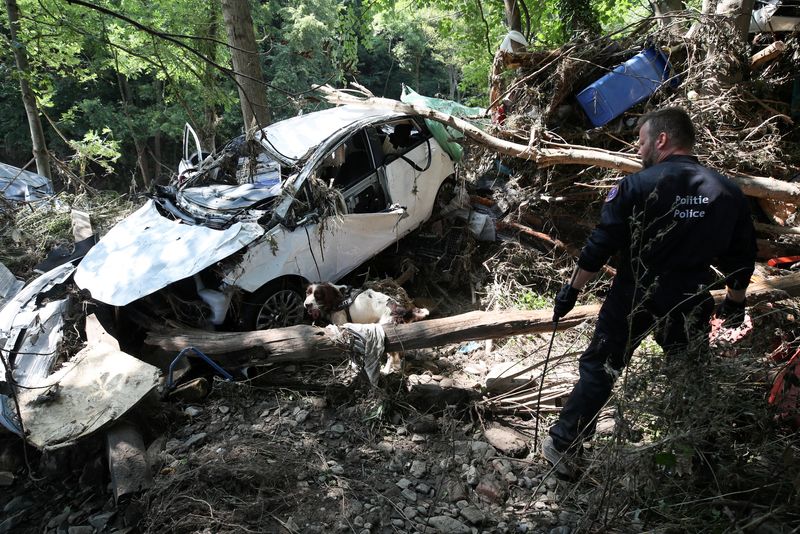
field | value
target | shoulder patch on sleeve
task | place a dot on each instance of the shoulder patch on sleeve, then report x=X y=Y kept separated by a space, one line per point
x=612 y=194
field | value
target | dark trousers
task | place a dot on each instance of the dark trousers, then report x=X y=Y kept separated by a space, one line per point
x=679 y=320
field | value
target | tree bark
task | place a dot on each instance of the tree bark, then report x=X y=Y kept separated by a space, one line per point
x=662 y=9
x=309 y=343
x=740 y=11
x=246 y=63
x=40 y=154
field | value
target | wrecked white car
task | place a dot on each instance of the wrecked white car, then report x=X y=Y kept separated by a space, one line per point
x=240 y=232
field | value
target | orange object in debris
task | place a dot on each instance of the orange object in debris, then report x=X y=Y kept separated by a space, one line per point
x=785 y=392
x=784 y=261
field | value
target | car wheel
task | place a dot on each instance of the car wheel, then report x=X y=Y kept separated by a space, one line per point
x=275 y=305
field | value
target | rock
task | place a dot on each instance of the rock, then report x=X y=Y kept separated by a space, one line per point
x=448 y=525
x=492 y=489
x=224 y=410
x=454 y=490
x=507 y=441
x=83 y=529
x=426 y=424
x=409 y=494
x=192 y=411
x=99 y=521
x=482 y=450
x=418 y=438
x=473 y=515
x=418 y=468
x=337 y=428
x=560 y=530
x=403 y=483
x=423 y=489
x=6 y=478
x=410 y=512
x=10 y=523
x=17 y=504
x=501 y=379
x=194 y=439
x=472 y=475
x=551 y=483
x=301 y=416
x=60 y=519
x=447 y=383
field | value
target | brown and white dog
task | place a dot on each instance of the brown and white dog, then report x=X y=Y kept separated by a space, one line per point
x=339 y=305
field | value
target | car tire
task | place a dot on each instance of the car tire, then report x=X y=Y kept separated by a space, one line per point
x=276 y=305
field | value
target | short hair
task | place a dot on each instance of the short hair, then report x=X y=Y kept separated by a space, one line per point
x=675 y=122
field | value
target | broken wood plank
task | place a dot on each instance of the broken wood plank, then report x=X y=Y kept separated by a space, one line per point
x=761 y=58
x=309 y=343
x=776 y=230
x=127 y=461
x=81 y=225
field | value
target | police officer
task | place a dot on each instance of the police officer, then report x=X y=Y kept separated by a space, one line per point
x=668 y=223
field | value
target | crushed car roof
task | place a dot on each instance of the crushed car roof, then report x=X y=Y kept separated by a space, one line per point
x=292 y=139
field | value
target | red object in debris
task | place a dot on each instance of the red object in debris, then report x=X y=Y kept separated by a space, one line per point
x=785 y=261
x=785 y=392
x=499 y=115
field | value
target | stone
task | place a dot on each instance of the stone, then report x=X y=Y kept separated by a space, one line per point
x=482 y=450
x=337 y=428
x=423 y=488
x=224 y=410
x=418 y=438
x=194 y=439
x=473 y=515
x=301 y=416
x=100 y=521
x=454 y=490
x=506 y=376
x=472 y=475
x=560 y=530
x=410 y=512
x=17 y=504
x=448 y=525
x=403 y=483
x=83 y=529
x=398 y=523
x=6 y=478
x=409 y=494
x=193 y=411
x=507 y=441
x=492 y=489
x=418 y=468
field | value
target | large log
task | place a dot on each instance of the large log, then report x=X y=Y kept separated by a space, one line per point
x=308 y=343
x=757 y=187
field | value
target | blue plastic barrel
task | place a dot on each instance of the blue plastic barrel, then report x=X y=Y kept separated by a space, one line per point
x=627 y=85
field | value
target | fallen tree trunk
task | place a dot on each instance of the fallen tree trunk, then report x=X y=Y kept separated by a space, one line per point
x=757 y=187
x=309 y=343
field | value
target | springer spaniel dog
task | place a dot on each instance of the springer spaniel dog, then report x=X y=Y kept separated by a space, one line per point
x=339 y=305
x=328 y=301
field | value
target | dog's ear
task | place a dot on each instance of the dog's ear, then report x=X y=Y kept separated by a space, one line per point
x=327 y=296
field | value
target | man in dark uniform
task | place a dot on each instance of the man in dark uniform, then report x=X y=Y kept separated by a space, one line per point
x=668 y=222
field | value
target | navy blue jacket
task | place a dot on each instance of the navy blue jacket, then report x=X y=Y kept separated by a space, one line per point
x=672 y=221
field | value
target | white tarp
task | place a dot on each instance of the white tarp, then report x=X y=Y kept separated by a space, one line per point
x=146 y=252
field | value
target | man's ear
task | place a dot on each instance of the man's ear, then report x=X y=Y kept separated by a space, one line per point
x=662 y=140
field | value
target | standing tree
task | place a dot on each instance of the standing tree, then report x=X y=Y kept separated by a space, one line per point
x=40 y=153
x=578 y=16
x=246 y=62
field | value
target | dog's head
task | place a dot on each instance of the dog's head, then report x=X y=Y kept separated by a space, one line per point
x=321 y=299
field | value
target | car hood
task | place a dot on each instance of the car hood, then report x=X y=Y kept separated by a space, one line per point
x=146 y=252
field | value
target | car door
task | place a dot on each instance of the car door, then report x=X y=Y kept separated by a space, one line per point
x=410 y=169
x=368 y=223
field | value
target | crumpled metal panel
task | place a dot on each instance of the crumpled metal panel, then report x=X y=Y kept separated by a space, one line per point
x=41 y=329
x=293 y=139
x=146 y=252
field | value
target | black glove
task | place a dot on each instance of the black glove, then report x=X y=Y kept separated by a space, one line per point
x=732 y=313
x=565 y=301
